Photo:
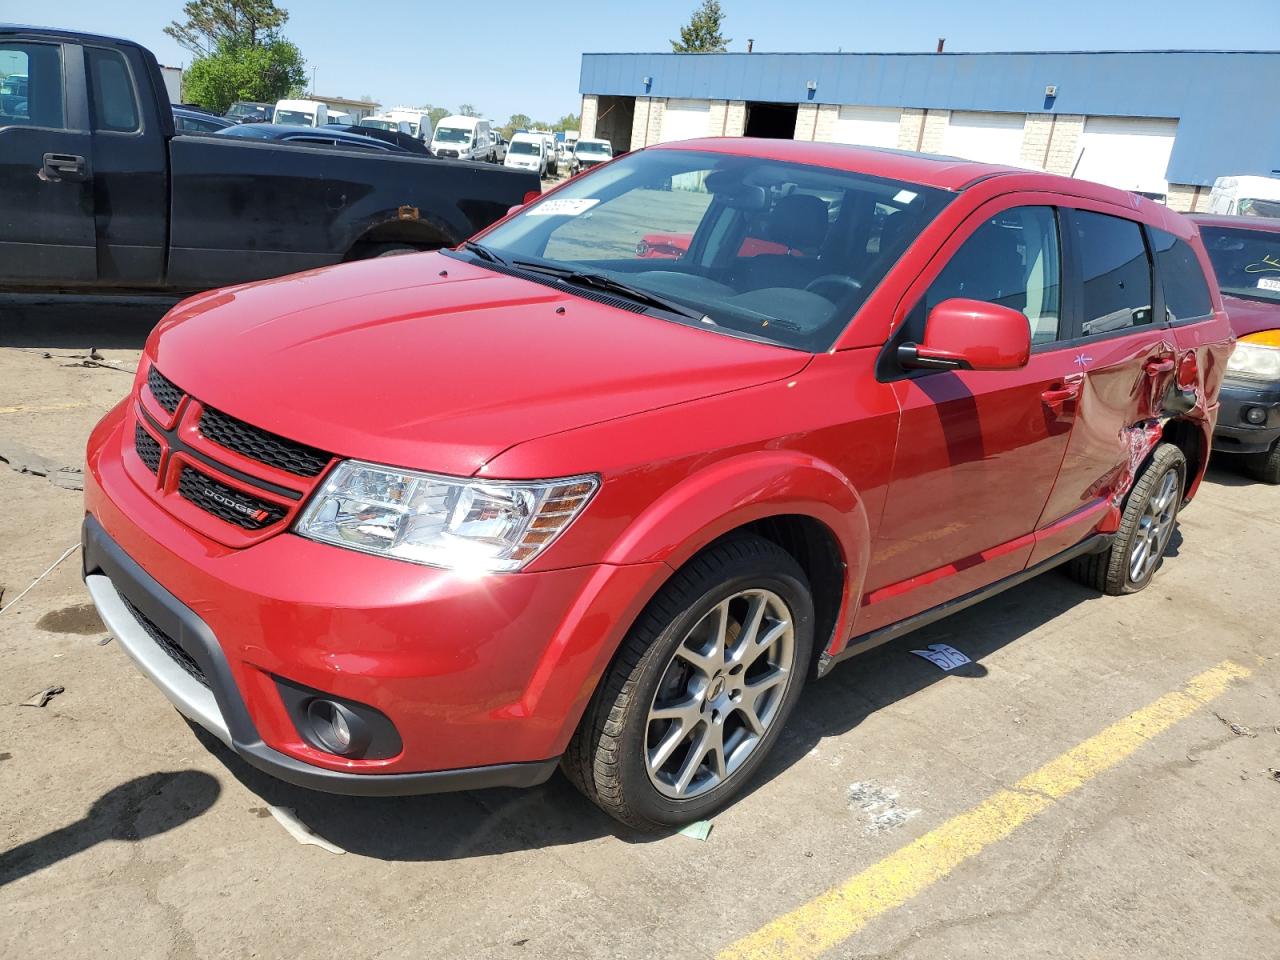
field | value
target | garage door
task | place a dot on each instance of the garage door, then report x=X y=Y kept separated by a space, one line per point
x=868 y=126
x=1131 y=153
x=685 y=119
x=987 y=137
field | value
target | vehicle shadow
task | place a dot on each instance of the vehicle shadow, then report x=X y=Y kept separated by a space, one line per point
x=484 y=823
x=59 y=322
x=1227 y=470
x=135 y=810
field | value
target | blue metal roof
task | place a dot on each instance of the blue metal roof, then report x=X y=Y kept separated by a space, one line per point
x=1227 y=123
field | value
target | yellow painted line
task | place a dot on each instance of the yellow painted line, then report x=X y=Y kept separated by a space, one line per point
x=822 y=923
x=41 y=407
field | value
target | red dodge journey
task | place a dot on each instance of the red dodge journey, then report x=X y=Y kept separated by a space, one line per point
x=451 y=520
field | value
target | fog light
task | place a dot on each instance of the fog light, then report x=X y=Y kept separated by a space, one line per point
x=1255 y=415
x=336 y=728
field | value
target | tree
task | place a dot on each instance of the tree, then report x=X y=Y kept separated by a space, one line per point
x=212 y=23
x=436 y=114
x=234 y=71
x=467 y=110
x=517 y=121
x=703 y=35
x=570 y=121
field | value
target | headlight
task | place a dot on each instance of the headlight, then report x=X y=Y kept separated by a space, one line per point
x=1257 y=356
x=478 y=525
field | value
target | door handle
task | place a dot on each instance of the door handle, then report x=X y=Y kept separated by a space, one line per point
x=62 y=166
x=1055 y=398
x=1156 y=367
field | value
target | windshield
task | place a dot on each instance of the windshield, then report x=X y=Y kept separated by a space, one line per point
x=379 y=124
x=1252 y=207
x=767 y=250
x=294 y=117
x=1247 y=262
x=524 y=146
x=596 y=148
x=247 y=110
x=452 y=135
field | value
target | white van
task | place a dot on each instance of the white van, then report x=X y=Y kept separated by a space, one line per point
x=1250 y=196
x=301 y=113
x=527 y=151
x=386 y=122
x=340 y=116
x=463 y=138
x=417 y=122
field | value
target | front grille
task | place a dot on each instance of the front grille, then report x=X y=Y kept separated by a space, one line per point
x=163 y=389
x=262 y=445
x=227 y=503
x=148 y=448
x=167 y=644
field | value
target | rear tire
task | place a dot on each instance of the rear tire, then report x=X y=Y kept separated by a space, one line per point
x=1265 y=466
x=388 y=250
x=699 y=690
x=1147 y=524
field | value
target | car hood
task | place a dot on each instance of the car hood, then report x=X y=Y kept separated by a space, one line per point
x=1251 y=316
x=427 y=361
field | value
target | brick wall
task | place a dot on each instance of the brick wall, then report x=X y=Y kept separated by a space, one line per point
x=590 y=110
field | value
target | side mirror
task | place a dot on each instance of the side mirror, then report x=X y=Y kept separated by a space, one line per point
x=970 y=335
x=516 y=209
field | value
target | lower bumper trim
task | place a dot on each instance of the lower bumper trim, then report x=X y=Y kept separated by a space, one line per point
x=114 y=577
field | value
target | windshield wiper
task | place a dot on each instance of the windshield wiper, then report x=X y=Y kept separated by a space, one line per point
x=602 y=282
x=484 y=253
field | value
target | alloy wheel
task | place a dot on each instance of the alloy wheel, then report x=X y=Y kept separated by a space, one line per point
x=1154 y=529
x=720 y=693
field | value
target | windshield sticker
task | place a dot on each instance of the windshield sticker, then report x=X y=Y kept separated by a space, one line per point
x=562 y=208
x=1269 y=283
x=1270 y=263
x=903 y=197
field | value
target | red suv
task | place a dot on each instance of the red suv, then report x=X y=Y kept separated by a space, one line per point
x=450 y=520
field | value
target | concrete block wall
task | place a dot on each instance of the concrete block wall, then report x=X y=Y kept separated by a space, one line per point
x=1064 y=144
x=735 y=121
x=935 y=129
x=806 y=121
x=657 y=110
x=1188 y=198
x=825 y=125
x=590 y=111
x=911 y=128
x=717 y=114
x=646 y=125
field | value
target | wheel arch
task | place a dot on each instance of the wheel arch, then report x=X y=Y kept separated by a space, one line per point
x=405 y=227
x=1191 y=438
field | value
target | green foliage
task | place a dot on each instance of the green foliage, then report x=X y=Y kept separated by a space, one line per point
x=436 y=114
x=467 y=110
x=570 y=121
x=266 y=72
x=517 y=121
x=210 y=24
x=703 y=35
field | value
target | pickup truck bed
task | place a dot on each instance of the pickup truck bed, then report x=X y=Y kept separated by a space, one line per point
x=97 y=192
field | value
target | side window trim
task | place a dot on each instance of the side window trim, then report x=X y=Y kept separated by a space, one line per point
x=1071 y=250
x=130 y=75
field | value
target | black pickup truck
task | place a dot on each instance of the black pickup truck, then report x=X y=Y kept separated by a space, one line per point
x=97 y=192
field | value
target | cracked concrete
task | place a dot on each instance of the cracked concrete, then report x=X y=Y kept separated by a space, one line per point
x=123 y=835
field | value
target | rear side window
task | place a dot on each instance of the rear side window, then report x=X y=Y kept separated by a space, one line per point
x=1186 y=294
x=1116 y=272
x=115 y=104
x=31 y=85
x=1013 y=260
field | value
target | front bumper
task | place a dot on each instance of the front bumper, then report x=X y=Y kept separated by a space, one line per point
x=1234 y=434
x=484 y=679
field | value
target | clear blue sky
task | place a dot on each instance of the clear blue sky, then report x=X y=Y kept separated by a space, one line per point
x=506 y=57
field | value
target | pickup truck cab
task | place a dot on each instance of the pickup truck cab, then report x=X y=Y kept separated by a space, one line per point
x=301 y=113
x=462 y=517
x=99 y=192
x=1245 y=253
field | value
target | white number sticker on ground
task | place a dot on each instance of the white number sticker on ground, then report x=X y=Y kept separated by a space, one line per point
x=562 y=208
x=1269 y=283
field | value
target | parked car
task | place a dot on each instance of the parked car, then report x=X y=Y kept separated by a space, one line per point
x=198 y=121
x=1246 y=196
x=553 y=157
x=527 y=151
x=418 y=121
x=339 y=117
x=248 y=111
x=386 y=123
x=331 y=135
x=499 y=148
x=147 y=209
x=633 y=506
x=301 y=113
x=590 y=153
x=463 y=138
x=1245 y=252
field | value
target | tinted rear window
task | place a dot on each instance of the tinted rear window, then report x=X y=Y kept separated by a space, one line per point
x=1247 y=262
x=115 y=105
x=1186 y=294
x=1116 y=273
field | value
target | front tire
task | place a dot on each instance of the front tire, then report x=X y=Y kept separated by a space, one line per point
x=1265 y=466
x=699 y=690
x=1146 y=527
